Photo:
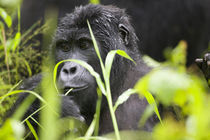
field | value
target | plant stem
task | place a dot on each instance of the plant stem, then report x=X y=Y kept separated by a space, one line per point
x=114 y=120
x=6 y=57
x=98 y=111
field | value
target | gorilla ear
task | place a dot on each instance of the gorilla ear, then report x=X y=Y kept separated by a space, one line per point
x=124 y=32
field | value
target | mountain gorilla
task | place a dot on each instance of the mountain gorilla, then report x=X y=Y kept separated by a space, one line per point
x=112 y=30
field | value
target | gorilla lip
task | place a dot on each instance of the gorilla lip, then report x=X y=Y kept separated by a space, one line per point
x=74 y=89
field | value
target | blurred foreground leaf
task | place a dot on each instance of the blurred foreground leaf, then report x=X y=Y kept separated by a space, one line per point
x=6 y=17
x=131 y=135
x=11 y=130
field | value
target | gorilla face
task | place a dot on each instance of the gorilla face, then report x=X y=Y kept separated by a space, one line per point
x=73 y=75
x=77 y=45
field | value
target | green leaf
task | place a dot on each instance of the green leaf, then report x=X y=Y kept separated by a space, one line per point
x=16 y=41
x=32 y=129
x=27 y=66
x=68 y=91
x=11 y=130
x=13 y=43
x=93 y=138
x=96 y=47
x=164 y=83
x=152 y=102
x=149 y=111
x=110 y=57
x=172 y=130
x=98 y=110
x=23 y=91
x=11 y=89
x=36 y=121
x=131 y=135
x=178 y=54
x=177 y=57
x=124 y=97
x=22 y=108
x=95 y=1
x=142 y=88
x=124 y=54
x=90 y=129
x=150 y=62
x=30 y=116
x=6 y=17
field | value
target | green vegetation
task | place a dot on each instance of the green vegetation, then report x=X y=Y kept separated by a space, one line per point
x=169 y=83
x=95 y=1
x=18 y=58
x=172 y=85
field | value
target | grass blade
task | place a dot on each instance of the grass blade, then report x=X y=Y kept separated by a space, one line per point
x=32 y=130
x=6 y=17
x=96 y=48
x=141 y=87
x=124 y=97
x=90 y=129
x=98 y=110
x=16 y=41
x=110 y=58
x=24 y=91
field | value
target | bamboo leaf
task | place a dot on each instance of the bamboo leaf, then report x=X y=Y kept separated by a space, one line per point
x=6 y=17
x=16 y=41
x=110 y=58
x=96 y=49
x=124 y=97
x=142 y=88
x=91 y=128
x=32 y=130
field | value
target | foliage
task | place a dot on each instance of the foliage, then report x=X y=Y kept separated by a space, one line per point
x=168 y=84
x=95 y=1
x=173 y=86
x=18 y=57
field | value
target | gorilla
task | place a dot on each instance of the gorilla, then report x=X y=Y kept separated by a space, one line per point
x=112 y=29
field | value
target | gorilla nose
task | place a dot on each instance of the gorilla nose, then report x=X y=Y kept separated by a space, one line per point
x=69 y=70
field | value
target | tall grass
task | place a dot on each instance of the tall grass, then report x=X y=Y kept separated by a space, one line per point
x=18 y=60
x=170 y=83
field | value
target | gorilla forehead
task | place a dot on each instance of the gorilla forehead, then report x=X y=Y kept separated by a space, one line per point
x=98 y=15
x=105 y=22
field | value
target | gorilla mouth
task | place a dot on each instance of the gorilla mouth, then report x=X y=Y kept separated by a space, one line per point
x=70 y=89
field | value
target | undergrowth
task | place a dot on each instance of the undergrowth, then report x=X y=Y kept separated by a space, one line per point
x=169 y=84
x=20 y=57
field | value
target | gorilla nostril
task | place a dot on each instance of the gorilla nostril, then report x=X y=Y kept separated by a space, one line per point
x=73 y=70
x=65 y=71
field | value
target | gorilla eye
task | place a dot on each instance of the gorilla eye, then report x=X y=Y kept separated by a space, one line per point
x=63 y=46
x=84 y=44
